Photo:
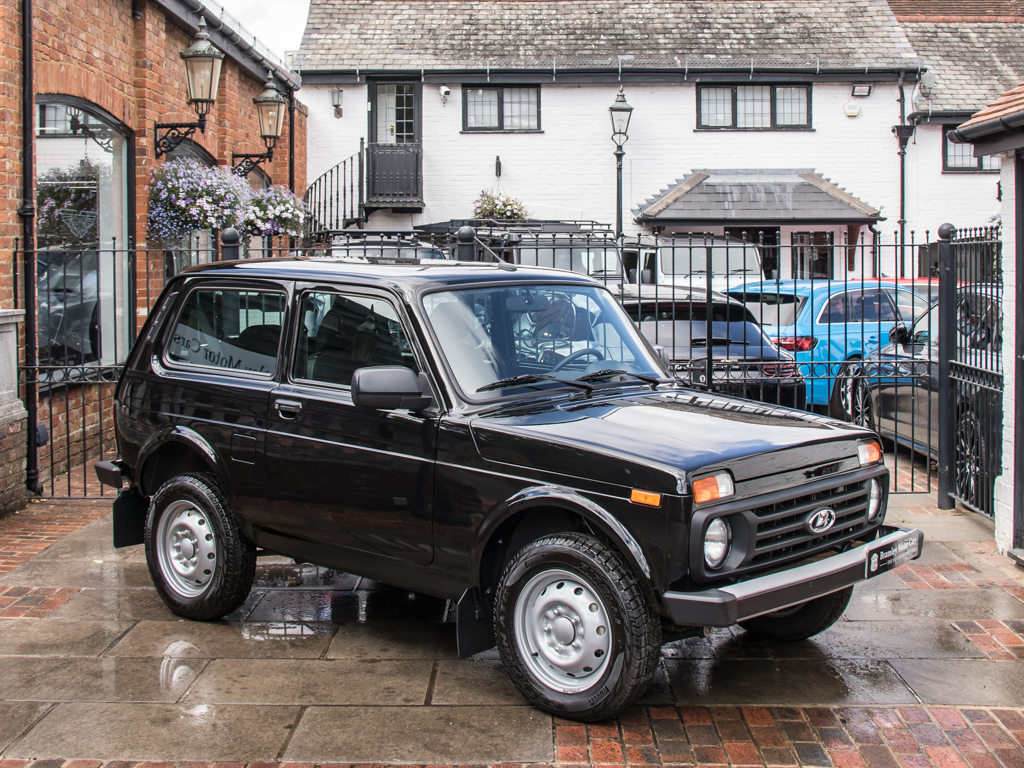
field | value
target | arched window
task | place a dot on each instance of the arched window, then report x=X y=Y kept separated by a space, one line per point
x=84 y=185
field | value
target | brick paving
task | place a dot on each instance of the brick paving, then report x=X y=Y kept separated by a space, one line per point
x=33 y=602
x=1000 y=640
x=943 y=576
x=25 y=534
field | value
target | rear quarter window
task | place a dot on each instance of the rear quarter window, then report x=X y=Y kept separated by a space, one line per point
x=228 y=329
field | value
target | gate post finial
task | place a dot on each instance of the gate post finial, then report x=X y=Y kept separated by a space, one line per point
x=946 y=231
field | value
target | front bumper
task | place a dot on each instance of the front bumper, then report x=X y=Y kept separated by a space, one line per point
x=726 y=606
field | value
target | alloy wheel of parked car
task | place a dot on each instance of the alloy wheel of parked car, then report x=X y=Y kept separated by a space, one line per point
x=574 y=629
x=968 y=453
x=201 y=564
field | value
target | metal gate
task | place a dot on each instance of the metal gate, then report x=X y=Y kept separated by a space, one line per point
x=970 y=388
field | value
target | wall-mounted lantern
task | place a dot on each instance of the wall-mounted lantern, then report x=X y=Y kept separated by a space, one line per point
x=270 y=108
x=336 y=96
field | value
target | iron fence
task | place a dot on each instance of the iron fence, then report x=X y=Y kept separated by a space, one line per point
x=811 y=324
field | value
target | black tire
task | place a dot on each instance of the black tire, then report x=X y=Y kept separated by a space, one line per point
x=969 y=454
x=802 y=621
x=201 y=564
x=604 y=610
x=840 y=401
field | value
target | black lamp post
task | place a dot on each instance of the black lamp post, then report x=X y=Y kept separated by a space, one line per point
x=270 y=108
x=203 y=62
x=620 y=113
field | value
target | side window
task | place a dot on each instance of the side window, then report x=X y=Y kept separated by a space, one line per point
x=836 y=309
x=869 y=307
x=909 y=305
x=229 y=329
x=340 y=333
x=926 y=329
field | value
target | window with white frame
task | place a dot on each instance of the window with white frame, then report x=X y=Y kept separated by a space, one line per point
x=753 y=107
x=505 y=108
x=960 y=157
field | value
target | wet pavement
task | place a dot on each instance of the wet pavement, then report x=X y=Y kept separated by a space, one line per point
x=926 y=668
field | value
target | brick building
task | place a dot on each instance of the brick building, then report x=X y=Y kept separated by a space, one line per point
x=102 y=74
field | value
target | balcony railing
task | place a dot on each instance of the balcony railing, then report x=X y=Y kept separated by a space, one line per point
x=394 y=176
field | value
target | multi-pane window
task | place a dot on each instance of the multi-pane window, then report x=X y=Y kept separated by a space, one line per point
x=754 y=106
x=396 y=114
x=501 y=108
x=960 y=157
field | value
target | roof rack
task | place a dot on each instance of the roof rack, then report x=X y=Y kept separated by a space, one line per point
x=518 y=225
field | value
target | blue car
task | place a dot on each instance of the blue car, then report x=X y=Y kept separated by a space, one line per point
x=828 y=323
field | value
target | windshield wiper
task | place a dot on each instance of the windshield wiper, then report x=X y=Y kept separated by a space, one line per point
x=532 y=378
x=654 y=381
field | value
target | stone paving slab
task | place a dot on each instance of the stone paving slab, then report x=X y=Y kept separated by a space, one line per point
x=16 y=717
x=308 y=682
x=155 y=731
x=39 y=678
x=422 y=735
x=232 y=640
x=58 y=637
x=945 y=605
x=981 y=683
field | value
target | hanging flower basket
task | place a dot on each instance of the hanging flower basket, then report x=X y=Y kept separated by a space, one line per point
x=488 y=206
x=186 y=196
x=274 y=211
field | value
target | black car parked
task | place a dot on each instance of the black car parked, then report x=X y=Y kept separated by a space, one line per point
x=745 y=362
x=416 y=424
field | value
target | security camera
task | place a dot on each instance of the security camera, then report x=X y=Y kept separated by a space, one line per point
x=445 y=91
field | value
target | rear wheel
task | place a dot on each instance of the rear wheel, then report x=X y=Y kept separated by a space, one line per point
x=799 y=622
x=574 y=629
x=969 y=458
x=202 y=566
x=841 y=403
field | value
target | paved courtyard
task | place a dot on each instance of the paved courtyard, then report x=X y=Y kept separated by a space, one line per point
x=926 y=668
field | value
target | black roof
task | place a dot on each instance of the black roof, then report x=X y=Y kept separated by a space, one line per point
x=398 y=275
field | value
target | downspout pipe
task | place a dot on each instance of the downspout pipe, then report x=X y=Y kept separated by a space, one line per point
x=28 y=216
x=291 y=140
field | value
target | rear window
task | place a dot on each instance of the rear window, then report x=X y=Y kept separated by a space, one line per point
x=778 y=309
x=686 y=324
x=228 y=329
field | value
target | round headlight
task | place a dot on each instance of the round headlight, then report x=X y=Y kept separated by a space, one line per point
x=874 y=499
x=716 y=543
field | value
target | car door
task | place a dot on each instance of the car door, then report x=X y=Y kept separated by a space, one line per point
x=214 y=377
x=339 y=475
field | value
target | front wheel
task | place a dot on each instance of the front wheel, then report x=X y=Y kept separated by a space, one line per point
x=575 y=632
x=202 y=566
x=800 y=622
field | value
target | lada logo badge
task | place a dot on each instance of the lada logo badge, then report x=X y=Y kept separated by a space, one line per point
x=821 y=520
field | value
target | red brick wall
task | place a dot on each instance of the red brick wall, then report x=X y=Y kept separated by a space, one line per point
x=97 y=51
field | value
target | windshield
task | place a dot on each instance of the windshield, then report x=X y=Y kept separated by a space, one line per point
x=772 y=309
x=597 y=262
x=691 y=258
x=491 y=334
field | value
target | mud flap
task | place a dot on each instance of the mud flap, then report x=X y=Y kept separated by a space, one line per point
x=474 y=627
x=130 y=509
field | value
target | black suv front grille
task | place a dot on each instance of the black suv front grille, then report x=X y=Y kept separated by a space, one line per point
x=782 y=531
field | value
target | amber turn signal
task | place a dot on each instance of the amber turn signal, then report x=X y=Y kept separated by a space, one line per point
x=716 y=486
x=647 y=498
x=869 y=453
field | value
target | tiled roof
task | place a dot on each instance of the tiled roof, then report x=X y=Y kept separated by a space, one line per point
x=973 y=62
x=958 y=10
x=588 y=34
x=749 y=195
x=1010 y=103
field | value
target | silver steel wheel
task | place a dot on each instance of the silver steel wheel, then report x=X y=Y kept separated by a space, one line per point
x=563 y=631
x=186 y=548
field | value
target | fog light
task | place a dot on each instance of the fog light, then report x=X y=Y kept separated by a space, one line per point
x=716 y=543
x=874 y=499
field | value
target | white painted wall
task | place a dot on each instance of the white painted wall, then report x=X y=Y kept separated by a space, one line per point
x=568 y=170
x=934 y=197
x=1005 y=482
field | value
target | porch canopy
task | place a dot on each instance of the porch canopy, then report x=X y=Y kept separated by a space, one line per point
x=754 y=197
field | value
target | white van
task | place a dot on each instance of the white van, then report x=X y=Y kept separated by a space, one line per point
x=685 y=261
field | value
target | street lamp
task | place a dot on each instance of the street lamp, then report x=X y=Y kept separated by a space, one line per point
x=270 y=108
x=203 y=62
x=620 y=113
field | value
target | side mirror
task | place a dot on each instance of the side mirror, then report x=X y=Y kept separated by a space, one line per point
x=388 y=388
x=663 y=356
x=899 y=334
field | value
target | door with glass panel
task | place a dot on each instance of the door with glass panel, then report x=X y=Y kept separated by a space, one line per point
x=394 y=155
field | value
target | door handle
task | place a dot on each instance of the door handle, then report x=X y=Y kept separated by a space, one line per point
x=288 y=409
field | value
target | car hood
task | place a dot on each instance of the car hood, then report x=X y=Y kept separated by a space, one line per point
x=661 y=438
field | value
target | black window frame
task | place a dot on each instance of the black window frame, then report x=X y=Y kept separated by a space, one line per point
x=808 y=126
x=947 y=168
x=501 y=107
